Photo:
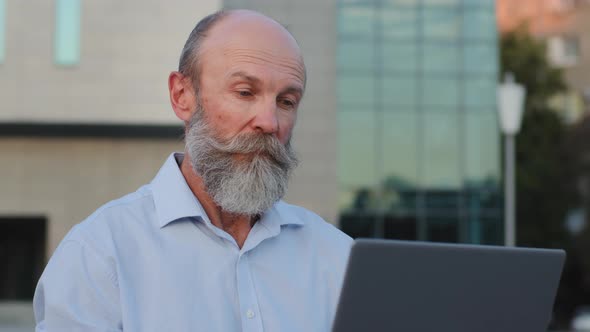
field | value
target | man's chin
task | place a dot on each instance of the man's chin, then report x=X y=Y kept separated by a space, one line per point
x=251 y=156
x=248 y=210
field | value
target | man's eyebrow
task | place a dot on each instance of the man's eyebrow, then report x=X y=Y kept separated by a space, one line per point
x=246 y=76
x=296 y=89
x=293 y=89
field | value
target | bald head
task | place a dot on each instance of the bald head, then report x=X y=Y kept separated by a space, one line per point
x=237 y=30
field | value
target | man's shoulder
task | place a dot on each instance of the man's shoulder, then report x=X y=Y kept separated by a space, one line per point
x=136 y=202
x=127 y=209
x=312 y=222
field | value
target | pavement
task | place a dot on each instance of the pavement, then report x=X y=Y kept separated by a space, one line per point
x=17 y=328
x=16 y=316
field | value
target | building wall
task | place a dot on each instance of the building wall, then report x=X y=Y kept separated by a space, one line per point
x=419 y=138
x=65 y=180
x=539 y=16
x=577 y=76
x=557 y=19
x=127 y=50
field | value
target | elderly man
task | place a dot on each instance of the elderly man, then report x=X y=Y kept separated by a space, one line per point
x=208 y=245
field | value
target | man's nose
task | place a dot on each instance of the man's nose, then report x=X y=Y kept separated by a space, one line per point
x=266 y=120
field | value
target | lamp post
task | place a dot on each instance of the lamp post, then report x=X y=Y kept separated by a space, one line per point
x=511 y=98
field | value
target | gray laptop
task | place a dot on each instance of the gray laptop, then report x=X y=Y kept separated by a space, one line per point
x=405 y=286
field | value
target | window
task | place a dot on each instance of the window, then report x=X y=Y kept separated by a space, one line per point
x=356 y=21
x=67 y=32
x=440 y=58
x=356 y=90
x=479 y=23
x=418 y=138
x=480 y=58
x=479 y=92
x=441 y=23
x=356 y=133
x=356 y=55
x=440 y=91
x=398 y=91
x=399 y=57
x=441 y=151
x=22 y=256
x=563 y=50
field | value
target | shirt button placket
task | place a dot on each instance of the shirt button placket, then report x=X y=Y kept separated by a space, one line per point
x=251 y=321
x=250 y=313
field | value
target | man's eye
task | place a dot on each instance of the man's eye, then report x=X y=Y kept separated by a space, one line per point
x=245 y=93
x=288 y=103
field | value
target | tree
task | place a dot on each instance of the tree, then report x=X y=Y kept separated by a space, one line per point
x=526 y=58
x=544 y=183
x=543 y=187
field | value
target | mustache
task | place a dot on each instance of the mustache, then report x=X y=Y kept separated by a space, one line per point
x=255 y=143
x=263 y=145
x=248 y=143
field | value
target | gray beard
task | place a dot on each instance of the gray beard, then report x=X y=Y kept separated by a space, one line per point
x=244 y=175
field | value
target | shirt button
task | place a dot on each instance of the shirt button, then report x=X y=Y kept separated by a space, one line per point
x=250 y=314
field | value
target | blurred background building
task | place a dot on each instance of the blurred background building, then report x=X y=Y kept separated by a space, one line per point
x=417 y=125
x=564 y=26
x=398 y=132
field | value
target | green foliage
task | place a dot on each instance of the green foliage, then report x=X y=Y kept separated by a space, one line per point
x=526 y=58
x=545 y=187
x=543 y=193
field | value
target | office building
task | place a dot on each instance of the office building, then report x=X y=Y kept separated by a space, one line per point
x=418 y=136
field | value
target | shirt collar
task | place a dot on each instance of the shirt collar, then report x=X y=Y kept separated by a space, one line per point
x=280 y=214
x=174 y=200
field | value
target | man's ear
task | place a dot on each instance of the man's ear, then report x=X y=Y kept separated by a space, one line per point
x=182 y=96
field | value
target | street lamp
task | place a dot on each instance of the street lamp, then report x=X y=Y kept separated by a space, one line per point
x=510 y=106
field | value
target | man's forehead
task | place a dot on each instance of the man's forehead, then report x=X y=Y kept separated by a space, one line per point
x=245 y=23
x=250 y=34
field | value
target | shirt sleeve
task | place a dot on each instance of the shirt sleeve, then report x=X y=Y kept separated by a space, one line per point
x=78 y=291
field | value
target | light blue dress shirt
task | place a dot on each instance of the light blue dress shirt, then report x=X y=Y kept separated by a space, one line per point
x=152 y=261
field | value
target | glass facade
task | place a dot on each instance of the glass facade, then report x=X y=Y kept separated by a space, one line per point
x=67 y=32
x=419 y=154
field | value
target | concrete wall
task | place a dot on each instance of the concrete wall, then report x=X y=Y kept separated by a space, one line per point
x=65 y=180
x=128 y=48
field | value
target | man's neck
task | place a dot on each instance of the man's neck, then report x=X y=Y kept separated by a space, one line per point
x=236 y=225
